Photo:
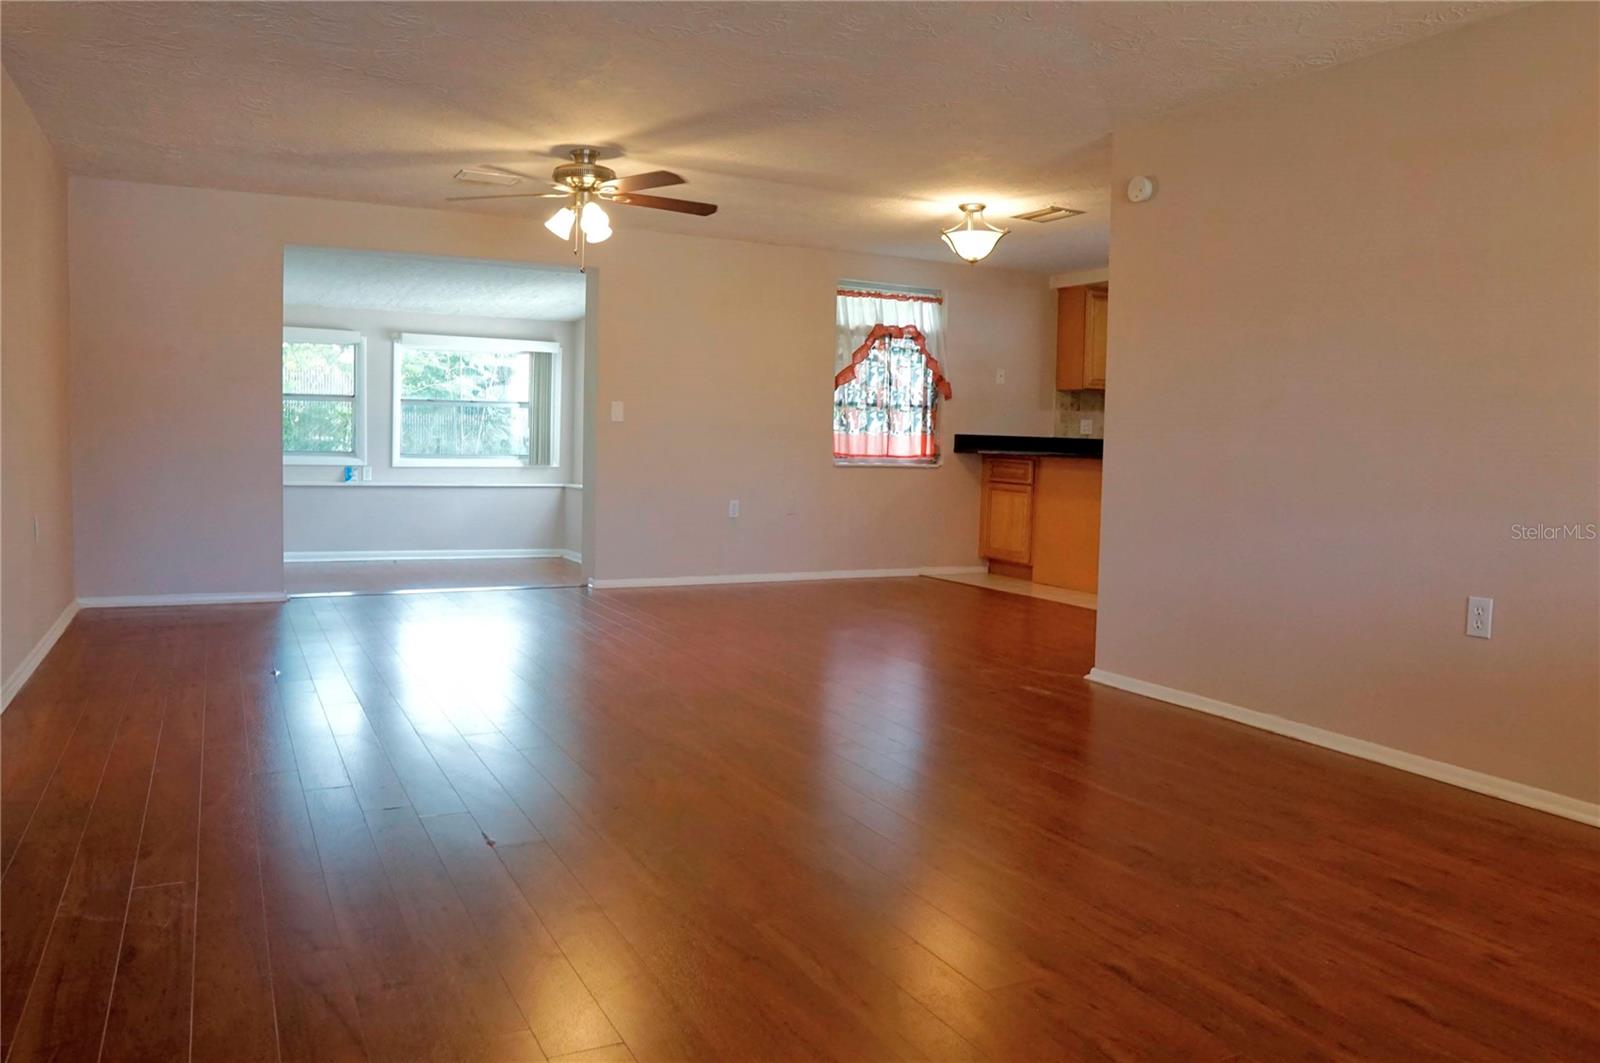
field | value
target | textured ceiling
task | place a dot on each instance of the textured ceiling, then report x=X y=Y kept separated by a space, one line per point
x=423 y=284
x=854 y=126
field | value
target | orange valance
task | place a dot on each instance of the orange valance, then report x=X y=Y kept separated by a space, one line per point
x=893 y=332
x=903 y=297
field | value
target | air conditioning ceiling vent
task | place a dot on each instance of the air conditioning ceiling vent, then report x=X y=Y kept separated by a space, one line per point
x=473 y=175
x=1050 y=213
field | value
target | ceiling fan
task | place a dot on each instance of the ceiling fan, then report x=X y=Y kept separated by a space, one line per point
x=585 y=184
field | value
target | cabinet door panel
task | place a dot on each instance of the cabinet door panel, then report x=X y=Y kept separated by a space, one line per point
x=1066 y=552
x=1094 y=339
x=1009 y=470
x=1070 y=308
x=1007 y=524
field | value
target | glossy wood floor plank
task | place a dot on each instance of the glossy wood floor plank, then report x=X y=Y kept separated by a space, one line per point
x=73 y=981
x=149 y=1015
x=859 y=821
x=559 y=1008
x=234 y=1015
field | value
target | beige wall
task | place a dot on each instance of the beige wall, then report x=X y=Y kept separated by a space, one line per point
x=713 y=347
x=1354 y=341
x=36 y=583
x=722 y=352
x=367 y=517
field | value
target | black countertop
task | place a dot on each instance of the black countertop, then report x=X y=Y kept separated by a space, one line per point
x=1032 y=446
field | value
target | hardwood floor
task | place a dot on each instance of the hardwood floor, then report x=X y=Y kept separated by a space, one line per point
x=859 y=821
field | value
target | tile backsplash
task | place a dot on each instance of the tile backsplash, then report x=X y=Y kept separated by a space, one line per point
x=1073 y=408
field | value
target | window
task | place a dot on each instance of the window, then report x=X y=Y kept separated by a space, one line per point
x=887 y=378
x=323 y=418
x=465 y=400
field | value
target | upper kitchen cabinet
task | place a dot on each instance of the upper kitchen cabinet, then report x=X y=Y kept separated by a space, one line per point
x=1081 y=337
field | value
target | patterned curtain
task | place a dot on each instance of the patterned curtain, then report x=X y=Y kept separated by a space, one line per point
x=888 y=380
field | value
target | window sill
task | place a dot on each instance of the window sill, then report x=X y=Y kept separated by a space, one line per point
x=887 y=463
x=324 y=459
x=465 y=463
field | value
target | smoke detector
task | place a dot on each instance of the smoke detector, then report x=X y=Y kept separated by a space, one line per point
x=1050 y=213
x=474 y=176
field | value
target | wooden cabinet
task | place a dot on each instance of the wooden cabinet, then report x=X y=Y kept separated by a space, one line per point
x=1005 y=523
x=1040 y=520
x=1066 y=521
x=1081 y=314
x=1097 y=304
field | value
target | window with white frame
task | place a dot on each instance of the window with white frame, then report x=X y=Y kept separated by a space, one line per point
x=468 y=400
x=323 y=413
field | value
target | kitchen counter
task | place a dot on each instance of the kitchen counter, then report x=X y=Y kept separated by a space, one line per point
x=1030 y=446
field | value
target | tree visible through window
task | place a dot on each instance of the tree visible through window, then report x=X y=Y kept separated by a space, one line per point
x=321 y=377
x=469 y=400
x=887 y=379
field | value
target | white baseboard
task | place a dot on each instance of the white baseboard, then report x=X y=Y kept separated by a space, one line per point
x=780 y=577
x=136 y=600
x=25 y=669
x=297 y=556
x=1477 y=781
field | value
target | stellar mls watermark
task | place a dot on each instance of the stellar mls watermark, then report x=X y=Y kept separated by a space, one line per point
x=1555 y=532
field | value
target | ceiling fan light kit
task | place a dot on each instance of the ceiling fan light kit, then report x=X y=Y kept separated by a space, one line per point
x=560 y=223
x=595 y=224
x=585 y=184
x=972 y=239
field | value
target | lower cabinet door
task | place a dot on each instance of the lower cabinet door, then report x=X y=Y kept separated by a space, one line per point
x=1006 y=527
x=1066 y=515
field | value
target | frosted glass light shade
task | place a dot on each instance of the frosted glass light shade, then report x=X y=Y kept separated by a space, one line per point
x=596 y=226
x=973 y=238
x=560 y=223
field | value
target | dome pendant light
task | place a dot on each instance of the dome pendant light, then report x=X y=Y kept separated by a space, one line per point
x=972 y=238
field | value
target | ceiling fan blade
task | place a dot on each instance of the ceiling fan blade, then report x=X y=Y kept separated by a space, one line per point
x=512 y=195
x=681 y=206
x=653 y=179
x=515 y=173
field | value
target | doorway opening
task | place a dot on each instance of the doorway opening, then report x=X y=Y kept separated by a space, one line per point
x=432 y=423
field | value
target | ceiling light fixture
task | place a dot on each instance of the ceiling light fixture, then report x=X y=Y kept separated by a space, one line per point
x=584 y=184
x=594 y=223
x=582 y=221
x=560 y=223
x=972 y=238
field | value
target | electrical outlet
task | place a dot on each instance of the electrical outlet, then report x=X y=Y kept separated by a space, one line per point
x=1086 y=426
x=616 y=410
x=733 y=507
x=1480 y=617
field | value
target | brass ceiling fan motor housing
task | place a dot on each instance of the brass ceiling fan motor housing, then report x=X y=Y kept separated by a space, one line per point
x=583 y=173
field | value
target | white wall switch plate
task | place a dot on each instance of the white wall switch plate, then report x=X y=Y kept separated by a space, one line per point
x=1086 y=426
x=733 y=507
x=999 y=376
x=1480 y=617
x=616 y=410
